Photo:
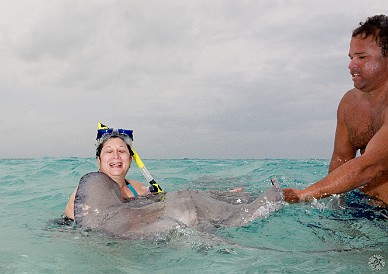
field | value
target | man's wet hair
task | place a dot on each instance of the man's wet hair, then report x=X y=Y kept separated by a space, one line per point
x=377 y=27
x=99 y=148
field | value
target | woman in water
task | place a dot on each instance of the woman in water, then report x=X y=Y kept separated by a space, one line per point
x=114 y=158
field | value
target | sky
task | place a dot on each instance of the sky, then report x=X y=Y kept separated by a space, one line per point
x=193 y=79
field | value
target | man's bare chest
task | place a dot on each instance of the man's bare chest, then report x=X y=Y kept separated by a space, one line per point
x=362 y=127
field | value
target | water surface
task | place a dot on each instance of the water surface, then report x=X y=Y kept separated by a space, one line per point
x=312 y=237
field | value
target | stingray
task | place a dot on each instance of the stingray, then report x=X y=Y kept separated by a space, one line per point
x=99 y=207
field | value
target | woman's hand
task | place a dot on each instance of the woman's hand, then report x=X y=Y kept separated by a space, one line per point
x=239 y=189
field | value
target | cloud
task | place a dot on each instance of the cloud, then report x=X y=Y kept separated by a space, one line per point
x=206 y=79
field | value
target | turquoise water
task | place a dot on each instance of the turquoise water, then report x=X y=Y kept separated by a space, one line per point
x=312 y=237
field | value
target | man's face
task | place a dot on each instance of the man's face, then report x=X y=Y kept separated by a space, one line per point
x=369 y=69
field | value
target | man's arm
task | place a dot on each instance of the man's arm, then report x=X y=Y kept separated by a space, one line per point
x=351 y=174
x=343 y=150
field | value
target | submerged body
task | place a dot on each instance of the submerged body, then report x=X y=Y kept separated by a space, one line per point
x=98 y=206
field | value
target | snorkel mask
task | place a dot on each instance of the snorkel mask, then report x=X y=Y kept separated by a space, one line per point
x=104 y=133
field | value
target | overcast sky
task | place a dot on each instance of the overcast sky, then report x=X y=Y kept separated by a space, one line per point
x=193 y=79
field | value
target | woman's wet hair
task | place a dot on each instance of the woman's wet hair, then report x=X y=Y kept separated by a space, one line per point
x=377 y=27
x=99 y=148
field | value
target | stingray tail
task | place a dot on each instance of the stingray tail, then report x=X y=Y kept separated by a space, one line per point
x=271 y=200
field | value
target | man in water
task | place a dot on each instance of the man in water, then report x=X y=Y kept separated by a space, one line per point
x=362 y=122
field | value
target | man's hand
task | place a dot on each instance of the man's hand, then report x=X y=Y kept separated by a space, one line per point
x=291 y=195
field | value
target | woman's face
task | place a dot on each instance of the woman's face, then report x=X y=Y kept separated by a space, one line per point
x=115 y=159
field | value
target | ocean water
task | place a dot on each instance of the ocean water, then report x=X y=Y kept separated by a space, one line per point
x=315 y=237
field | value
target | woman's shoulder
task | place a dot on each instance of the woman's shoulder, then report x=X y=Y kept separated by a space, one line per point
x=141 y=188
x=133 y=182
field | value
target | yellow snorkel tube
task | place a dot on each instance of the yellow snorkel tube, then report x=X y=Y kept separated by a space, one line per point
x=154 y=188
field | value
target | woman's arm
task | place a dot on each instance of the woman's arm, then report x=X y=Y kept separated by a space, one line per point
x=69 y=210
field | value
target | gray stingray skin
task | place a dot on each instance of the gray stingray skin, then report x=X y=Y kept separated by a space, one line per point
x=98 y=207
